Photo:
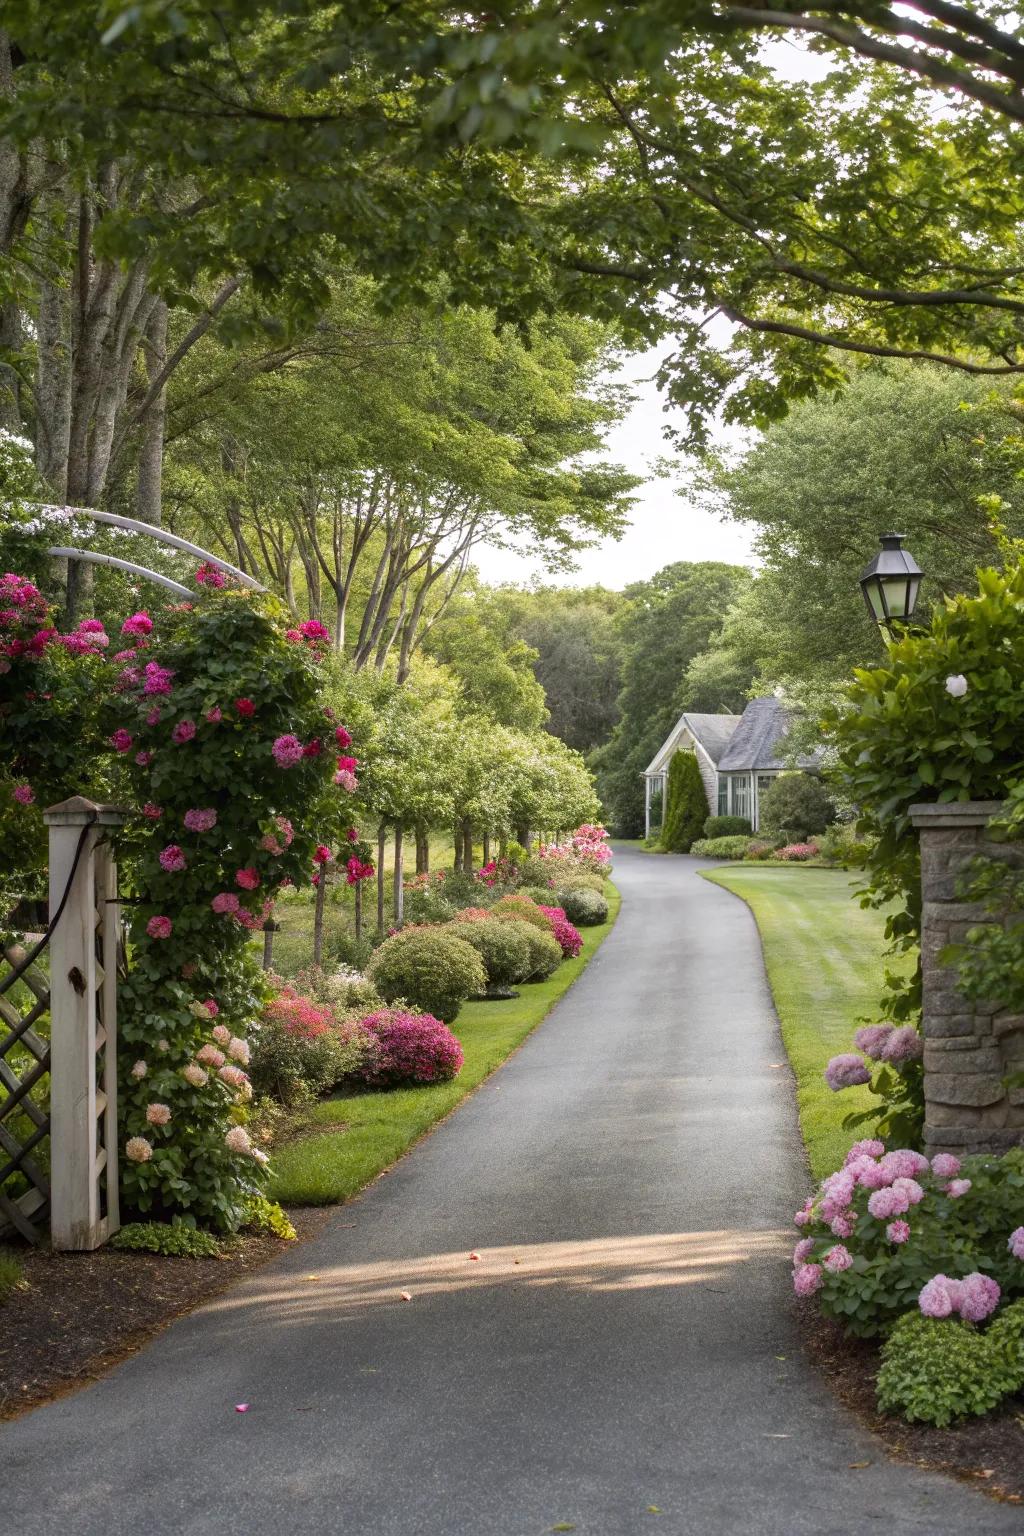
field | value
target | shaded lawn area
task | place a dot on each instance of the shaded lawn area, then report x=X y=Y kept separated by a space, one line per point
x=365 y=1133
x=824 y=956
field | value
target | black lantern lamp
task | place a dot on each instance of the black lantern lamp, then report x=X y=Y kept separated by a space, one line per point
x=890 y=583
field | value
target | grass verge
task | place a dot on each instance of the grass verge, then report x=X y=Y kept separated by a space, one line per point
x=823 y=953
x=11 y=1275
x=352 y=1139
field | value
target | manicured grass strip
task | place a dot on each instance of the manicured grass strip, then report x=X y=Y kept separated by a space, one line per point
x=823 y=954
x=324 y=1169
x=10 y=1275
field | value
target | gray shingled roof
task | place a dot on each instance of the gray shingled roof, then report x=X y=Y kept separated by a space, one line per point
x=753 y=744
x=714 y=732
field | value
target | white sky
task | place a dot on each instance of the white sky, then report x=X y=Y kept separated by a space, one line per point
x=665 y=526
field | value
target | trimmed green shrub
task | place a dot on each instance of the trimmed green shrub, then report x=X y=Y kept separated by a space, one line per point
x=172 y=1238
x=583 y=881
x=522 y=908
x=1006 y=1335
x=721 y=847
x=583 y=907
x=543 y=949
x=504 y=952
x=434 y=970
x=428 y=904
x=536 y=871
x=543 y=895
x=686 y=806
x=727 y=826
x=797 y=804
x=937 y=1370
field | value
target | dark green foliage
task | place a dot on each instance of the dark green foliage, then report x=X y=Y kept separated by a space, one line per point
x=429 y=904
x=582 y=906
x=432 y=969
x=726 y=826
x=172 y=1238
x=721 y=847
x=937 y=1371
x=797 y=804
x=501 y=947
x=545 y=954
x=687 y=804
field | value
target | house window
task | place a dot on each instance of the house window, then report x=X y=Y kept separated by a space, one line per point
x=764 y=781
x=723 y=795
x=741 y=795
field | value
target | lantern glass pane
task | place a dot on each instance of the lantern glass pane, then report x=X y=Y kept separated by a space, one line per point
x=897 y=591
x=873 y=593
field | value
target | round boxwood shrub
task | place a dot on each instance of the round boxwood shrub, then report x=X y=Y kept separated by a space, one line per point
x=501 y=947
x=432 y=969
x=727 y=826
x=722 y=847
x=580 y=880
x=522 y=908
x=409 y=1048
x=543 y=950
x=583 y=907
x=796 y=803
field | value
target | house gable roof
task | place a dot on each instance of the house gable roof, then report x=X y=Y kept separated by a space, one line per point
x=753 y=746
x=710 y=732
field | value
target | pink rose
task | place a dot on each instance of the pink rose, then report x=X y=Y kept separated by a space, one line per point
x=24 y=794
x=122 y=740
x=159 y=927
x=172 y=859
x=183 y=731
x=225 y=901
x=248 y=879
x=287 y=751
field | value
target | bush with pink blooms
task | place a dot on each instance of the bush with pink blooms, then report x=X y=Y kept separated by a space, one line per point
x=302 y=1047
x=797 y=853
x=230 y=817
x=889 y=1059
x=892 y=1232
x=409 y=1048
x=568 y=937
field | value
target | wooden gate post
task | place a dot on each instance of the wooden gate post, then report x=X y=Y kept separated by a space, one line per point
x=83 y=1024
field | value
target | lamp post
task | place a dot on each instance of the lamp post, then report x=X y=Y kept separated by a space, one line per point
x=890 y=583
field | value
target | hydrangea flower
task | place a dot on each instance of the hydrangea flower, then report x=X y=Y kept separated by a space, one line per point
x=957 y=1187
x=237 y=1139
x=346 y=781
x=1016 y=1243
x=245 y=708
x=122 y=740
x=936 y=1298
x=195 y=1075
x=139 y=1070
x=343 y=739
x=137 y=625
x=238 y=1050
x=138 y=1150
x=248 y=879
x=945 y=1165
x=225 y=901
x=198 y=820
x=846 y=1071
x=159 y=927
x=209 y=1056
x=808 y=1279
x=872 y=1039
x=209 y=575
x=214 y=715
x=837 y=1259
x=287 y=751
x=904 y=1163
x=956 y=685
x=212 y=1008
x=233 y=1076
x=322 y=854
x=885 y=1203
x=898 y=1232
x=152 y=812
x=172 y=859
x=154 y=717
x=158 y=679
x=158 y=1114
x=979 y=1297
x=222 y=1034
x=144 y=759
x=313 y=630
x=904 y=1044
x=803 y=1251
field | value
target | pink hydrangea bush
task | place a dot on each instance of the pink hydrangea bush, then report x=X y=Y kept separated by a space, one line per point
x=890 y=1062
x=891 y=1231
x=409 y=1048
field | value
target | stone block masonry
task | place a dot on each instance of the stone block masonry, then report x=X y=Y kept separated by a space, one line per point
x=969 y=1050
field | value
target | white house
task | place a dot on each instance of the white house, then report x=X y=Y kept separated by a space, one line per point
x=738 y=757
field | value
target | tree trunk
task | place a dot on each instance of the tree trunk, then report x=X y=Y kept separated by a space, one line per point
x=359 y=909
x=486 y=851
x=502 y=846
x=457 y=839
x=382 y=838
x=523 y=837
x=399 y=890
x=422 y=851
x=467 y=851
x=318 y=918
x=149 y=492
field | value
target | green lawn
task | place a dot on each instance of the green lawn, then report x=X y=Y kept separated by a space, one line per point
x=370 y=1131
x=823 y=953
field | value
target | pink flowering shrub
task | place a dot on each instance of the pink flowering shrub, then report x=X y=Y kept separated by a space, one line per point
x=891 y=1231
x=569 y=938
x=303 y=1048
x=409 y=1048
x=797 y=853
x=891 y=1063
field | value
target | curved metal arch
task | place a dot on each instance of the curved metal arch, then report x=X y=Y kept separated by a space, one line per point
x=133 y=525
x=92 y=558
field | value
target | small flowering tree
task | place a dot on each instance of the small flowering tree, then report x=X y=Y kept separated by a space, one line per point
x=232 y=757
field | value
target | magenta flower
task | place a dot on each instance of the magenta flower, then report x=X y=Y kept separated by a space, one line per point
x=808 y=1279
x=1016 y=1243
x=158 y=679
x=844 y=1224
x=159 y=927
x=979 y=1297
x=322 y=854
x=246 y=708
x=293 y=637
x=898 y=1232
x=200 y=820
x=313 y=630
x=143 y=759
x=24 y=794
x=342 y=737
x=139 y=624
x=214 y=715
x=183 y=731
x=287 y=751
x=846 y=1071
x=152 y=812
x=909 y=1190
x=153 y=718
x=936 y=1298
x=225 y=901
x=213 y=1008
x=872 y=1040
x=945 y=1165
x=122 y=740
x=209 y=575
x=837 y=1259
x=172 y=859
x=248 y=879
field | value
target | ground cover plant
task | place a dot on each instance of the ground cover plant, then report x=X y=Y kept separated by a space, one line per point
x=823 y=953
x=353 y=1138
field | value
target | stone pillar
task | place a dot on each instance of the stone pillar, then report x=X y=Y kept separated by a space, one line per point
x=969 y=1048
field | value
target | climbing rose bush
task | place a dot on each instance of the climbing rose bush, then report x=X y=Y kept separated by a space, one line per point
x=229 y=818
x=409 y=1048
x=893 y=1231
